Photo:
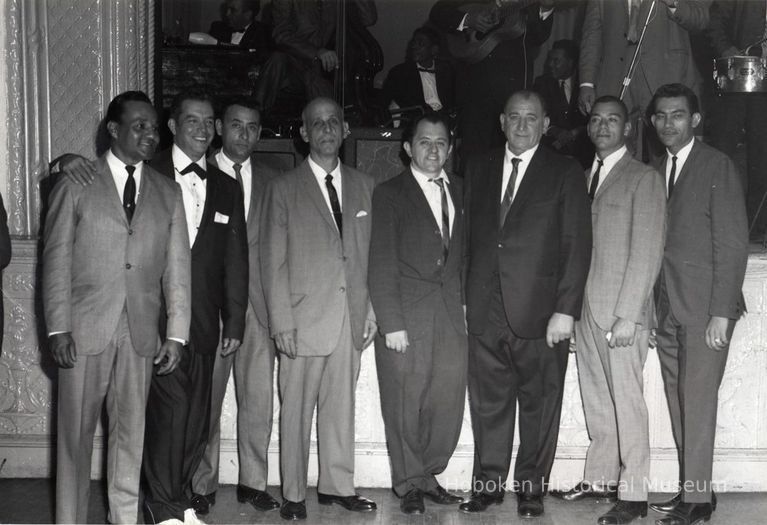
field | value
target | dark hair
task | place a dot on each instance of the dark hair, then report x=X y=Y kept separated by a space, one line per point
x=673 y=91
x=117 y=106
x=432 y=117
x=430 y=33
x=193 y=94
x=526 y=94
x=240 y=100
x=252 y=5
x=606 y=99
x=569 y=47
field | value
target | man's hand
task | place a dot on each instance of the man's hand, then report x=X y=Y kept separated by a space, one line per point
x=586 y=97
x=397 y=341
x=63 y=349
x=328 y=59
x=622 y=333
x=560 y=328
x=229 y=346
x=716 y=333
x=77 y=169
x=168 y=357
x=482 y=18
x=371 y=328
x=287 y=343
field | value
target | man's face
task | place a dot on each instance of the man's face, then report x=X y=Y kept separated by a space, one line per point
x=136 y=136
x=236 y=15
x=323 y=128
x=560 y=65
x=193 y=132
x=421 y=49
x=429 y=147
x=608 y=128
x=523 y=123
x=239 y=132
x=674 y=123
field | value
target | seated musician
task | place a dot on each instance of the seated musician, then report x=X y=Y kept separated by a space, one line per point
x=304 y=34
x=239 y=26
x=559 y=88
x=423 y=80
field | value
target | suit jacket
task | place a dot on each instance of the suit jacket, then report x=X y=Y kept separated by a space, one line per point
x=628 y=218
x=403 y=85
x=704 y=261
x=310 y=276
x=561 y=113
x=261 y=175
x=541 y=255
x=219 y=260
x=407 y=276
x=736 y=23
x=96 y=263
x=665 y=57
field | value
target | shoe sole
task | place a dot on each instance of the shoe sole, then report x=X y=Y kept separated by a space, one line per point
x=478 y=511
x=327 y=503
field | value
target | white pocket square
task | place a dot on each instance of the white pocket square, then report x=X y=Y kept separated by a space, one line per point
x=221 y=218
x=362 y=213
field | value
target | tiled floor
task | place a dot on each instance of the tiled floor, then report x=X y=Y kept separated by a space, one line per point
x=31 y=501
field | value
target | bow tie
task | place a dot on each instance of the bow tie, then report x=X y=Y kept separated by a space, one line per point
x=194 y=167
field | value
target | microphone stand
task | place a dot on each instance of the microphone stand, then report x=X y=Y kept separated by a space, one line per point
x=635 y=58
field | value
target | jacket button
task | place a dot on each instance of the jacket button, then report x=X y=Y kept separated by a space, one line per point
x=127 y=266
x=342 y=289
x=439 y=262
x=130 y=232
x=500 y=245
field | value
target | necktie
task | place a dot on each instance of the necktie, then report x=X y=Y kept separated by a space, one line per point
x=632 y=32
x=334 y=204
x=563 y=90
x=238 y=175
x=445 y=216
x=509 y=194
x=194 y=167
x=672 y=177
x=129 y=193
x=595 y=180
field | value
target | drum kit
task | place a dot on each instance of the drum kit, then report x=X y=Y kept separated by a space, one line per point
x=741 y=73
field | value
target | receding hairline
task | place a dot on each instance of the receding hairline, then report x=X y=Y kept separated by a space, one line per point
x=317 y=101
x=525 y=95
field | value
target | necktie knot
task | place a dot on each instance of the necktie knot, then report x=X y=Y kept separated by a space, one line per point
x=196 y=168
x=515 y=162
x=237 y=167
x=130 y=169
x=438 y=181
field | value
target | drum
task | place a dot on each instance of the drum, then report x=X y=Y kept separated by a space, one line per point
x=741 y=74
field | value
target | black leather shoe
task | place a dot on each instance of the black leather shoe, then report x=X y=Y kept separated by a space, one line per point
x=687 y=514
x=479 y=502
x=293 y=510
x=669 y=505
x=441 y=496
x=260 y=499
x=529 y=505
x=355 y=503
x=585 y=490
x=412 y=502
x=201 y=504
x=624 y=512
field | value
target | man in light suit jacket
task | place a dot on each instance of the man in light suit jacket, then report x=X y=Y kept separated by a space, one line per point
x=113 y=250
x=253 y=363
x=415 y=281
x=315 y=233
x=628 y=217
x=699 y=292
x=529 y=244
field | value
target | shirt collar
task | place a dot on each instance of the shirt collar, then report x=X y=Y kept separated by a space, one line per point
x=683 y=153
x=181 y=160
x=526 y=156
x=225 y=161
x=320 y=173
x=418 y=174
x=118 y=166
x=609 y=162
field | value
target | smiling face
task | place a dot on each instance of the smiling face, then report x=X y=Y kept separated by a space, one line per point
x=429 y=147
x=193 y=131
x=608 y=128
x=323 y=128
x=674 y=122
x=523 y=122
x=239 y=132
x=135 y=136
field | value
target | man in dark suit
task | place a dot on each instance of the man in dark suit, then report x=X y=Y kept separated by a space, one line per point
x=178 y=411
x=240 y=27
x=253 y=364
x=698 y=294
x=415 y=282
x=529 y=245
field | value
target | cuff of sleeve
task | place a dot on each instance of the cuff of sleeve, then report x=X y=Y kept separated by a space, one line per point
x=177 y=340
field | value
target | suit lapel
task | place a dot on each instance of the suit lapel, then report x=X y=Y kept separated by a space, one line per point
x=418 y=200
x=528 y=182
x=211 y=189
x=315 y=195
x=256 y=189
x=683 y=178
x=495 y=165
x=109 y=189
x=615 y=173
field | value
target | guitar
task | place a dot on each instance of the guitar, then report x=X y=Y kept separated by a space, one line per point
x=471 y=46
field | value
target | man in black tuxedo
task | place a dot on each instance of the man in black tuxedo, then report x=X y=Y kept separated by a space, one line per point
x=239 y=26
x=529 y=248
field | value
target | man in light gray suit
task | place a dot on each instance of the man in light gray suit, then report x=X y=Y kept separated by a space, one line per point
x=315 y=234
x=628 y=214
x=113 y=250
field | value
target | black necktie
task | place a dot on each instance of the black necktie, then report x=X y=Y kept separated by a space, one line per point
x=334 y=204
x=595 y=180
x=129 y=193
x=672 y=177
x=194 y=167
x=563 y=91
x=445 y=216
x=238 y=175
x=509 y=194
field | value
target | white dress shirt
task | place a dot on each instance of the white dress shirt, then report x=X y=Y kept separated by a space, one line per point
x=429 y=86
x=120 y=174
x=434 y=195
x=608 y=163
x=320 y=175
x=525 y=158
x=237 y=36
x=681 y=158
x=193 y=190
x=226 y=165
x=568 y=87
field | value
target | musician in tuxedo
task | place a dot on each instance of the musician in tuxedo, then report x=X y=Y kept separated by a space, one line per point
x=315 y=234
x=529 y=246
x=559 y=88
x=178 y=410
x=423 y=80
x=253 y=364
x=239 y=26
x=483 y=86
x=628 y=213
x=115 y=259
x=698 y=294
x=305 y=57
x=415 y=282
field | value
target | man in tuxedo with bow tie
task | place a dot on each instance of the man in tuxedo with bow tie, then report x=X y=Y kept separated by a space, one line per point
x=529 y=246
x=240 y=27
